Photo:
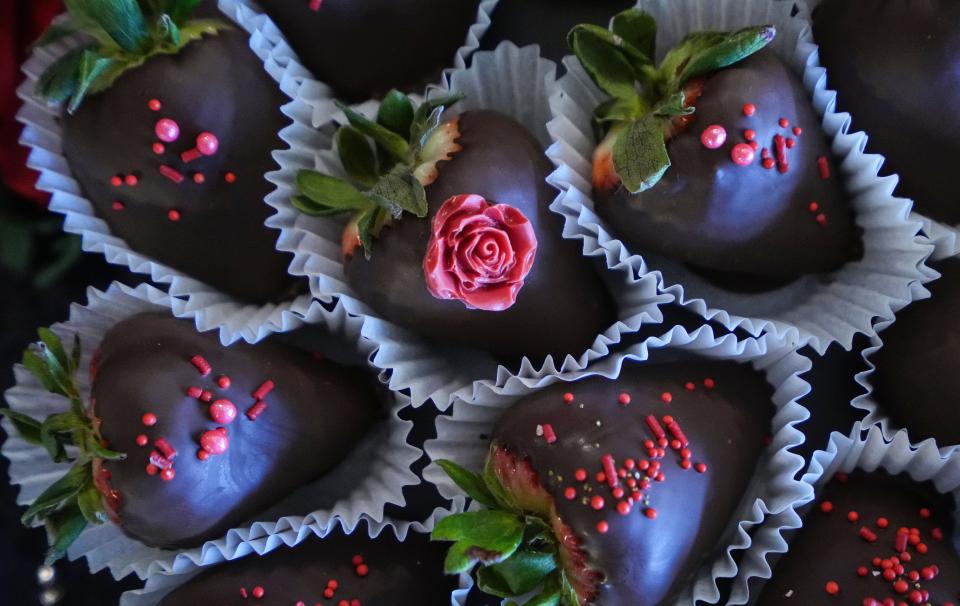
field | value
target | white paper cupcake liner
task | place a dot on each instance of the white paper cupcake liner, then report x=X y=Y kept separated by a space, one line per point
x=942 y=235
x=208 y=307
x=868 y=449
x=511 y=80
x=382 y=458
x=809 y=311
x=159 y=585
x=774 y=488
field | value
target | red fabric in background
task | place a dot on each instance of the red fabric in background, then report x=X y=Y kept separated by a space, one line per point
x=21 y=22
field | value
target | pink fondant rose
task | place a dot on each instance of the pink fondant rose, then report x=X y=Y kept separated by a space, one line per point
x=479 y=253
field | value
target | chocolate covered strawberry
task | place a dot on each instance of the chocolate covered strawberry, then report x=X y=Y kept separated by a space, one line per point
x=168 y=129
x=451 y=234
x=364 y=49
x=336 y=569
x=611 y=492
x=871 y=539
x=715 y=156
x=210 y=435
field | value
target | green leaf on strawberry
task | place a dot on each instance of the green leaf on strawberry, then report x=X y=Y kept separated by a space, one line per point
x=645 y=98
x=67 y=505
x=124 y=33
x=388 y=162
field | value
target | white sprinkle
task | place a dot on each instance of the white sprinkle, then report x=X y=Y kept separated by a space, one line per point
x=539 y=430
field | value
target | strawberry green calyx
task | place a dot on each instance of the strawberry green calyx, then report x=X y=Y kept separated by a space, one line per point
x=387 y=178
x=73 y=501
x=648 y=101
x=122 y=35
x=514 y=540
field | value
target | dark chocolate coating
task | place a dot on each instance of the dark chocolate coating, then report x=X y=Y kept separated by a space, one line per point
x=895 y=65
x=364 y=49
x=709 y=212
x=402 y=573
x=829 y=547
x=216 y=85
x=562 y=306
x=314 y=415
x=647 y=561
x=918 y=365
x=547 y=22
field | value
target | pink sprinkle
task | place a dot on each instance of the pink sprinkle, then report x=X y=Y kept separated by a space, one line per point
x=610 y=469
x=167 y=130
x=824 y=167
x=315 y=5
x=742 y=154
x=262 y=391
x=713 y=136
x=202 y=365
x=254 y=411
x=131 y=180
x=159 y=461
x=548 y=433
x=164 y=447
x=223 y=412
x=171 y=173
x=118 y=206
x=243 y=592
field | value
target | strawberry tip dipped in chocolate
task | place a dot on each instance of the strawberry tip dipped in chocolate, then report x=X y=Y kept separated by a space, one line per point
x=181 y=438
x=168 y=129
x=451 y=234
x=364 y=49
x=714 y=157
x=611 y=492
x=337 y=569
x=893 y=64
x=872 y=539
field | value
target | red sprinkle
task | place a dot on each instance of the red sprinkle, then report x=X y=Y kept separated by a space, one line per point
x=142 y=440
x=194 y=392
x=821 y=219
x=362 y=570
x=167 y=130
x=131 y=180
x=650 y=512
x=548 y=433
x=568 y=398
x=229 y=177
x=768 y=163
x=749 y=109
x=797 y=131
x=198 y=178
x=165 y=449
x=882 y=522
x=171 y=173
x=597 y=502
x=937 y=534
x=749 y=134
x=700 y=467
x=832 y=587
x=223 y=412
x=315 y=5
x=791 y=143
x=201 y=364
x=173 y=215
x=262 y=391
x=602 y=527
x=675 y=431
x=152 y=469
x=667 y=397
x=167 y=474
x=154 y=105
x=853 y=516
x=713 y=136
x=784 y=123
x=867 y=535
x=357 y=560
x=824 y=167
x=814 y=207
x=215 y=442
x=580 y=475
x=900 y=543
x=206 y=396
x=257 y=592
x=158 y=148
x=118 y=206
x=570 y=493
x=623 y=508
x=742 y=154
x=924 y=513
x=116 y=181
x=149 y=419
x=254 y=411
x=708 y=383
x=624 y=398
x=690 y=386
x=655 y=427
x=203 y=455
x=826 y=507
x=610 y=469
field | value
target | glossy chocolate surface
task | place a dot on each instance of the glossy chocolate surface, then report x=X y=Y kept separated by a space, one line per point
x=215 y=85
x=896 y=67
x=401 y=573
x=830 y=547
x=314 y=415
x=547 y=22
x=713 y=214
x=364 y=49
x=646 y=561
x=917 y=368
x=562 y=306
